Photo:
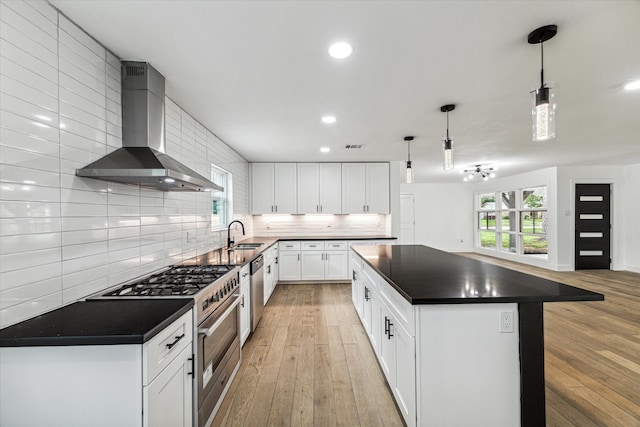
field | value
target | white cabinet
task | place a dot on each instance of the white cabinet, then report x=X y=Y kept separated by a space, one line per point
x=148 y=384
x=269 y=272
x=273 y=188
x=168 y=398
x=405 y=387
x=324 y=260
x=336 y=265
x=319 y=188
x=365 y=188
x=289 y=261
x=245 y=304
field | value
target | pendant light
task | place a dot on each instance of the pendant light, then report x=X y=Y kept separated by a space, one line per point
x=544 y=108
x=447 y=144
x=409 y=179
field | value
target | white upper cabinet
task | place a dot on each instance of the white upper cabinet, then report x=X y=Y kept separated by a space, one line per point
x=319 y=188
x=328 y=188
x=262 y=188
x=365 y=188
x=273 y=188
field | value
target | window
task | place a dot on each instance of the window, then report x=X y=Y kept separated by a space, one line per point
x=221 y=201
x=513 y=221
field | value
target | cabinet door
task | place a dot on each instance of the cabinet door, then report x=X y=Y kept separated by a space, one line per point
x=168 y=399
x=245 y=304
x=312 y=265
x=366 y=306
x=262 y=188
x=308 y=188
x=356 y=288
x=387 y=345
x=289 y=265
x=268 y=279
x=336 y=265
x=285 y=186
x=330 y=191
x=353 y=188
x=377 y=188
x=377 y=323
x=405 y=388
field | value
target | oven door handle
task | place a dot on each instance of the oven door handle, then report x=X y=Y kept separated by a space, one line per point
x=209 y=331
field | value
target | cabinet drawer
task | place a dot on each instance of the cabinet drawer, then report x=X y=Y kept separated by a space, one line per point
x=400 y=307
x=315 y=245
x=164 y=347
x=289 y=246
x=335 y=245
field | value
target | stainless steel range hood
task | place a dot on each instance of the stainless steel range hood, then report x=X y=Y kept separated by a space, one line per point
x=142 y=160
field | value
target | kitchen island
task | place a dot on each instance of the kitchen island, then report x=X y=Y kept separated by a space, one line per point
x=460 y=341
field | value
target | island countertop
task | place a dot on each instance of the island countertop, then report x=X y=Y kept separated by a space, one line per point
x=424 y=275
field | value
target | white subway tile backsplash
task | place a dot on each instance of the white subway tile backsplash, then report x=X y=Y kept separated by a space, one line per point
x=88 y=44
x=31 y=209
x=84 y=249
x=39 y=273
x=13 y=139
x=66 y=237
x=30 y=127
x=100 y=272
x=21 y=260
x=20 y=90
x=24 y=15
x=23 y=294
x=16 y=226
x=34 y=307
x=28 y=168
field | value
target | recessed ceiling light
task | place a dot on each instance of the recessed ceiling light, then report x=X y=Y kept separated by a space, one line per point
x=633 y=85
x=329 y=119
x=325 y=149
x=340 y=50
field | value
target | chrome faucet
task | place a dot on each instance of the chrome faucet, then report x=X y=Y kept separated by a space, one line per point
x=229 y=239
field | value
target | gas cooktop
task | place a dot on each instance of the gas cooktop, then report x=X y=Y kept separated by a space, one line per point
x=176 y=281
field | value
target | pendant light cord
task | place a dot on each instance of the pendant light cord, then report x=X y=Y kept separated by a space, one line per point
x=447 y=125
x=408 y=151
x=541 y=63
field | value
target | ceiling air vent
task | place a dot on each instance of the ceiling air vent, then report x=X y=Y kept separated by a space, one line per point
x=353 y=146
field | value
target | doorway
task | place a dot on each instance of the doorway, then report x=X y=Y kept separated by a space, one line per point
x=593 y=226
x=407 y=219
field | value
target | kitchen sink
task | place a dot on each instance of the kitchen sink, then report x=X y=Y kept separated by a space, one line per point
x=246 y=246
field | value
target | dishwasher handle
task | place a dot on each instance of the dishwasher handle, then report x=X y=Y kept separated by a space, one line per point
x=257 y=264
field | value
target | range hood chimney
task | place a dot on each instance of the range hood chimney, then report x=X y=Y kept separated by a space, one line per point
x=142 y=160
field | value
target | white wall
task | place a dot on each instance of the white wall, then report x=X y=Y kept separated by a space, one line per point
x=630 y=196
x=443 y=215
x=64 y=237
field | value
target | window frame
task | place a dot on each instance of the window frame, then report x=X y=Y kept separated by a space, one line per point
x=515 y=210
x=224 y=178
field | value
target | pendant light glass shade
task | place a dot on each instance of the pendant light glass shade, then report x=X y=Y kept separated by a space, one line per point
x=543 y=111
x=447 y=153
x=447 y=144
x=409 y=172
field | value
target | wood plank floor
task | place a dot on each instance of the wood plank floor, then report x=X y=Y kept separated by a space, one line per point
x=309 y=362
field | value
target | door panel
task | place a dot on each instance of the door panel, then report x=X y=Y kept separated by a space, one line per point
x=593 y=226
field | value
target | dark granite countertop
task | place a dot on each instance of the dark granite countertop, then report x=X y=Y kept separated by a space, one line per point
x=97 y=322
x=423 y=275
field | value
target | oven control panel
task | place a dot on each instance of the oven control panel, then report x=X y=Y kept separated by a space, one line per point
x=221 y=289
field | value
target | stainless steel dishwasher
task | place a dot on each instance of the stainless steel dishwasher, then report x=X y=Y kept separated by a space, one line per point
x=257 y=291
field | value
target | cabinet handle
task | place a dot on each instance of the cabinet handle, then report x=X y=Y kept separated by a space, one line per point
x=353 y=275
x=245 y=274
x=276 y=260
x=390 y=325
x=320 y=208
x=192 y=366
x=298 y=257
x=276 y=208
x=268 y=269
x=317 y=208
x=364 y=208
x=366 y=294
x=242 y=301
x=170 y=345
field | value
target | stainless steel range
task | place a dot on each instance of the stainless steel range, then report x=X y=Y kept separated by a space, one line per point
x=215 y=290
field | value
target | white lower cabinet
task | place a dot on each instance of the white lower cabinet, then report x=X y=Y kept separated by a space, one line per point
x=393 y=344
x=312 y=265
x=270 y=271
x=146 y=385
x=288 y=265
x=245 y=304
x=168 y=398
x=316 y=259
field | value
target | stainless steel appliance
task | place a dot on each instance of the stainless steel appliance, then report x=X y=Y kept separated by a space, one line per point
x=257 y=291
x=215 y=290
x=142 y=160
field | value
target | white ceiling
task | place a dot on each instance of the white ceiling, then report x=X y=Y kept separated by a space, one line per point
x=257 y=74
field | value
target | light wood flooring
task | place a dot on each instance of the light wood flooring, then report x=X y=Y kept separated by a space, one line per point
x=309 y=362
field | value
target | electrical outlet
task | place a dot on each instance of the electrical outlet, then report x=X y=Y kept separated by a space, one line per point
x=506 y=321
